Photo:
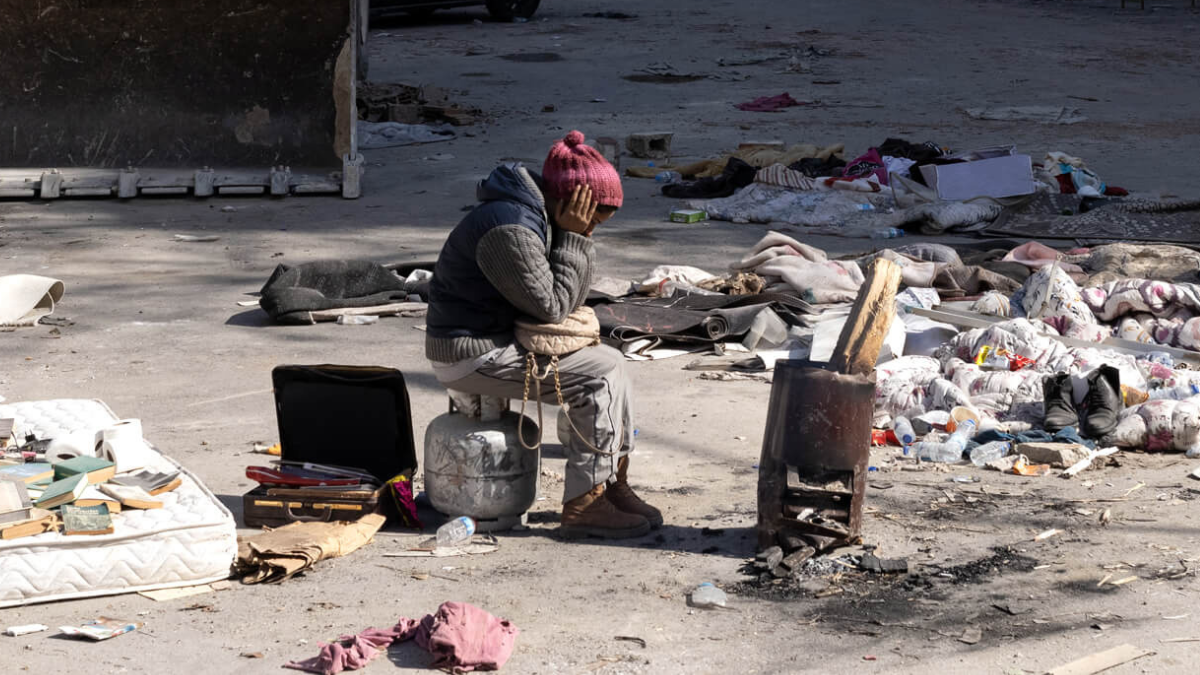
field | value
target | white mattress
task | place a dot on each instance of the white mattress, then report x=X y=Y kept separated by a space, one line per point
x=191 y=540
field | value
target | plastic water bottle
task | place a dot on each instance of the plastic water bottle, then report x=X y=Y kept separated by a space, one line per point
x=888 y=233
x=903 y=430
x=951 y=450
x=962 y=434
x=707 y=596
x=455 y=532
x=1178 y=393
x=929 y=451
x=990 y=452
x=668 y=177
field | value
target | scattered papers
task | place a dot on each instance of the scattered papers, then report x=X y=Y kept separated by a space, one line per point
x=101 y=628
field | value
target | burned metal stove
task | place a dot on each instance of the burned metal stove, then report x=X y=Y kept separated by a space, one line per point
x=813 y=470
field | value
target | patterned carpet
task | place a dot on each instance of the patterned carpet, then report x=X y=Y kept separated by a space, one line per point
x=1055 y=216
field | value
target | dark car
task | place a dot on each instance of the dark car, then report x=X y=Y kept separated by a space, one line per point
x=501 y=10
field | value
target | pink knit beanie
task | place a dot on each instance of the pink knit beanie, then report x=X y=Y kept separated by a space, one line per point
x=572 y=163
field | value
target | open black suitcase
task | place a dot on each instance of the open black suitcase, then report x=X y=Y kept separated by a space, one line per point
x=352 y=416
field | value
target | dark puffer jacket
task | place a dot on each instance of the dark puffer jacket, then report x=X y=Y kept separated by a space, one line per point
x=503 y=260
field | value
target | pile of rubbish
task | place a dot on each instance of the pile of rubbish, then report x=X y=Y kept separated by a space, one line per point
x=892 y=188
x=1093 y=347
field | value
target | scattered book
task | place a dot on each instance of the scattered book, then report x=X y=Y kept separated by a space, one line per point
x=175 y=483
x=30 y=472
x=97 y=470
x=39 y=521
x=101 y=628
x=14 y=501
x=62 y=491
x=86 y=519
x=94 y=496
x=152 y=482
x=132 y=496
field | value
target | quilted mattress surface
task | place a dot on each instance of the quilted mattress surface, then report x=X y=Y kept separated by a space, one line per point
x=191 y=540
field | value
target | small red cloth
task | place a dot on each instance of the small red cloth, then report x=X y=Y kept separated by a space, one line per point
x=461 y=637
x=465 y=638
x=351 y=652
x=769 y=103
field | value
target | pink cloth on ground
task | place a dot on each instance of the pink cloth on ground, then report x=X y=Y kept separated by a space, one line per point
x=351 y=652
x=465 y=638
x=769 y=103
x=1035 y=255
x=461 y=637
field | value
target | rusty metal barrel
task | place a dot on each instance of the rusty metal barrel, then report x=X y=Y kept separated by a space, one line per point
x=813 y=468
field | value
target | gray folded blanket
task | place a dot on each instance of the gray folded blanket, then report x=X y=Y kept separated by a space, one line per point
x=295 y=291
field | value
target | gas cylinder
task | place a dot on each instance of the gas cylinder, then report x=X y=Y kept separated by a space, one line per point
x=479 y=468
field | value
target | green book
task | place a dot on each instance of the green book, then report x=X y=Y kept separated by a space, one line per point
x=97 y=470
x=86 y=519
x=62 y=491
x=30 y=472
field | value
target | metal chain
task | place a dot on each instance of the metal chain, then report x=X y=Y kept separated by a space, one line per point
x=531 y=371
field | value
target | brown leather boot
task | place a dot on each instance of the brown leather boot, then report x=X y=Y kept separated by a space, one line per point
x=593 y=515
x=623 y=497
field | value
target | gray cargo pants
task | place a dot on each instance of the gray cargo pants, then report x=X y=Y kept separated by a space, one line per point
x=599 y=399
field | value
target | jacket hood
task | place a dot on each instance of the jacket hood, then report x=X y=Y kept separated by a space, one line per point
x=514 y=183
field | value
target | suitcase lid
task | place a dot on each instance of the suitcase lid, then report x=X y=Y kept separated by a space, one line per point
x=355 y=416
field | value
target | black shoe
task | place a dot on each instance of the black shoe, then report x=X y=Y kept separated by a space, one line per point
x=1103 y=402
x=1060 y=406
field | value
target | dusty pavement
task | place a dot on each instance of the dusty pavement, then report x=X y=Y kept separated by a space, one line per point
x=157 y=334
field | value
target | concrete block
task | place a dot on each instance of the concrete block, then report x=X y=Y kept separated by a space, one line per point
x=1057 y=455
x=650 y=144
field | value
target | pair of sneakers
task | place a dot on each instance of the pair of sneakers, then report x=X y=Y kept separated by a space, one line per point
x=1101 y=406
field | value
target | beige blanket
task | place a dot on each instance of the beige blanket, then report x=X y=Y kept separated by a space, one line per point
x=277 y=554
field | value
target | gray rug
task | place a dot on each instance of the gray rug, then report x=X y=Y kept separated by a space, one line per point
x=1050 y=216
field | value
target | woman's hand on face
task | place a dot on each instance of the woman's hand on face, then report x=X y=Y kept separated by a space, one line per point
x=575 y=215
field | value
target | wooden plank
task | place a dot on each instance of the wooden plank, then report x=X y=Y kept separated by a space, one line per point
x=1101 y=661
x=975 y=320
x=870 y=318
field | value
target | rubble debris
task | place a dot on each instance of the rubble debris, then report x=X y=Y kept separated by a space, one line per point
x=770 y=557
x=650 y=144
x=971 y=636
x=1059 y=455
x=408 y=104
x=871 y=563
